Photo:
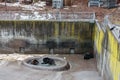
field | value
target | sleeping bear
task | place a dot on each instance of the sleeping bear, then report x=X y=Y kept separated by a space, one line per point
x=88 y=56
x=48 y=61
x=35 y=62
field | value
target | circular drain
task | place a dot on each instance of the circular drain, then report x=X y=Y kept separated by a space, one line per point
x=47 y=63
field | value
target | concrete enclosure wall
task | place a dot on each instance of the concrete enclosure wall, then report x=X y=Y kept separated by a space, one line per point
x=108 y=52
x=33 y=35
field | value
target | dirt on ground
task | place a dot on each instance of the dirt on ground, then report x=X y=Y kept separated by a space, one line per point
x=77 y=6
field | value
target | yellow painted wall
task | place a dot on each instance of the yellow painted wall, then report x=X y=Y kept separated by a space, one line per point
x=117 y=74
x=99 y=35
x=113 y=45
x=113 y=50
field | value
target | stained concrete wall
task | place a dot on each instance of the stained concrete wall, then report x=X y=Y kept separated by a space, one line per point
x=37 y=33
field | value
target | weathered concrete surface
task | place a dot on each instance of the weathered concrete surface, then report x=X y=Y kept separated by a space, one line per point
x=10 y=69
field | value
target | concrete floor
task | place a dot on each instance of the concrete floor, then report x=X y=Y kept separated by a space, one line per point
x=12 y=69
